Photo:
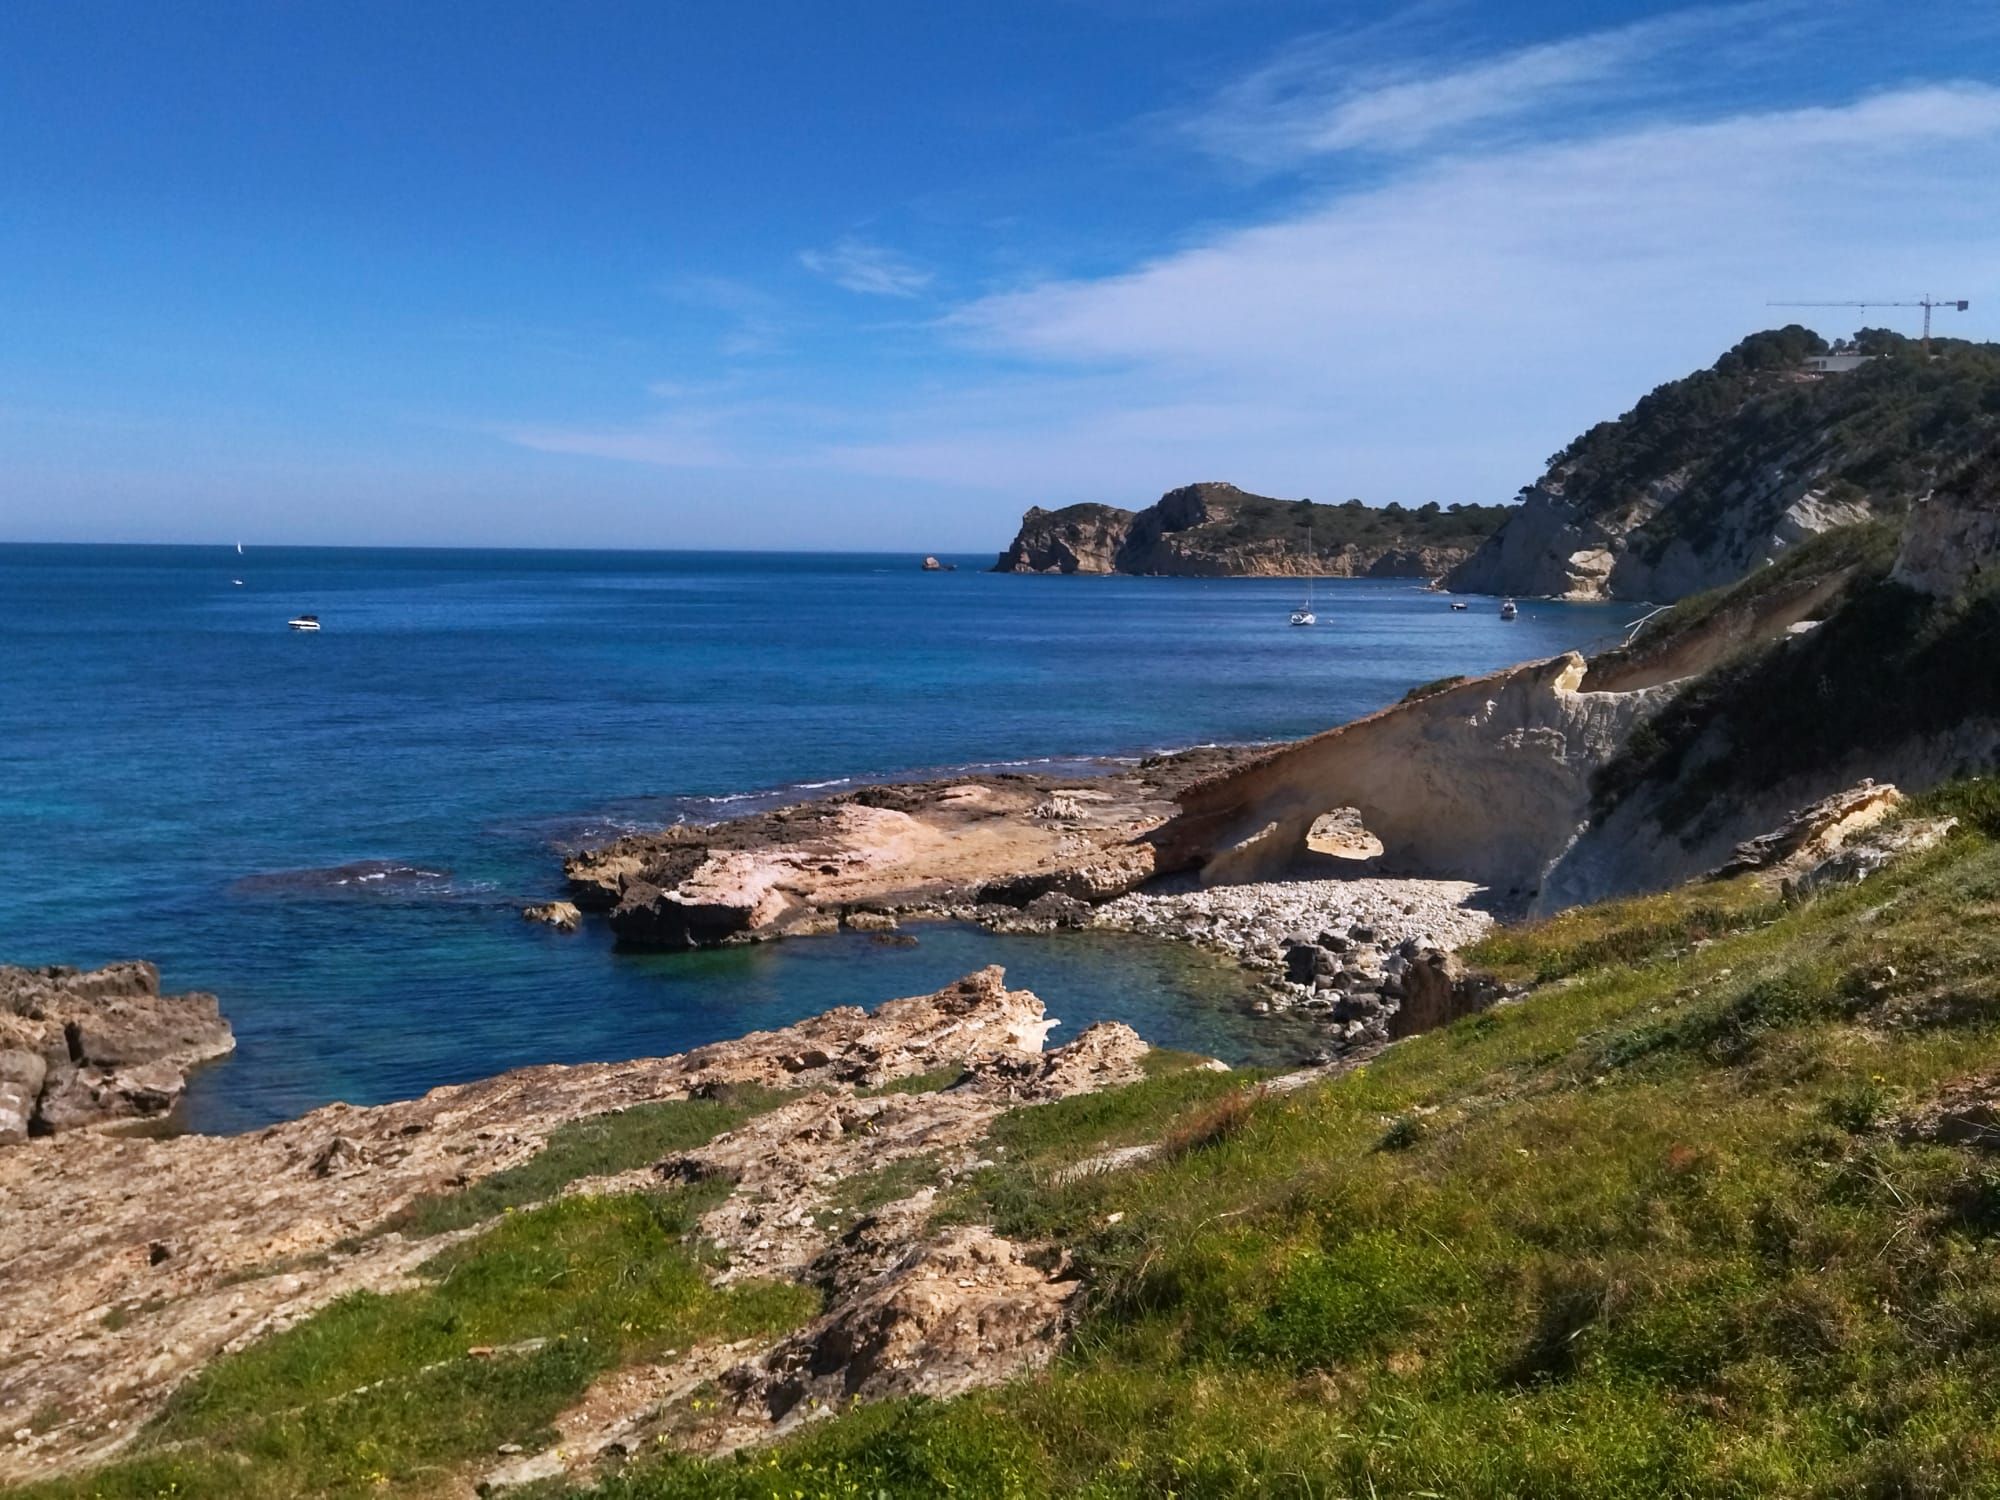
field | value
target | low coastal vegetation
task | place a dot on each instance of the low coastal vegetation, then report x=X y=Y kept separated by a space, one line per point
x=1686 y=1221
x=1891 y=428
x=1708 y=477
x=597 y=1146
x=1888 y=665
x=1702 y=1214
x=1218 y=530
x=401 y=1390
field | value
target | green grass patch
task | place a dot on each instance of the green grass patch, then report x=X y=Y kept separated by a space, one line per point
x=622 y=1141
x=1633 y=931
x=865 y=1192
x=916 y=1083
x=380 y=1393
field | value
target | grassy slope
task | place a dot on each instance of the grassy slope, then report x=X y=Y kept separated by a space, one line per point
x=379 y=1392
x=1651 y=1232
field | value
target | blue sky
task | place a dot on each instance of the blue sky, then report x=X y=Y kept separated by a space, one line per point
x=884 y=274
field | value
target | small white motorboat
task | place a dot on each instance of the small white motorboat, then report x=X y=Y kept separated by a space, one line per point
x=237 y=581
x=1459 y=605
x=1509 y=609
x=1304 y=617
x=304 y=622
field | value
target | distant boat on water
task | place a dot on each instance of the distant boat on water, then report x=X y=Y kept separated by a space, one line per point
x=304 y=622
x=1459 y=604
x=1509 y=609
x=1304 y=615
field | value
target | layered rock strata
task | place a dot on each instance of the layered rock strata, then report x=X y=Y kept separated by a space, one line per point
x=172 y=1251
x=862 y=857
x=1488 y=780
x=93 y=1047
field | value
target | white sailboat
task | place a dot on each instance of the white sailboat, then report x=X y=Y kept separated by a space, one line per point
x=1304 y=615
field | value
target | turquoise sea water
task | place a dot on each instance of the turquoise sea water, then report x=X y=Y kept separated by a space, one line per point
x=335 y=833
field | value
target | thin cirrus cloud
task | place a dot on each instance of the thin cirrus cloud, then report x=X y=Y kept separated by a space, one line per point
x=1434 y=337
x=860 y=266
x=1322 y=96
x=1434 y=329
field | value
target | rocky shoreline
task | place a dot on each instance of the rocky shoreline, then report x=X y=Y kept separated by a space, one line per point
x=1037 y=853
x=994 y=844
x=172 y=1251
x=90 y=1047
x=1372 y=959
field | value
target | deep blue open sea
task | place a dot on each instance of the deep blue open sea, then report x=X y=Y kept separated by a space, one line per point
x=183 y=779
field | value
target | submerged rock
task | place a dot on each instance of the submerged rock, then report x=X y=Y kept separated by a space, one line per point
x=564 y=916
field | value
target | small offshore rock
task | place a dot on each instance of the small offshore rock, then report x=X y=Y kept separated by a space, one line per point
x=564 y=916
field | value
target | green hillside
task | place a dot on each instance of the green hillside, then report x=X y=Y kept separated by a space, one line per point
x=1683 y=1222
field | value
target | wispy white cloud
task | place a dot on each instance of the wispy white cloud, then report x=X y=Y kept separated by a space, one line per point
x=1430 y=333
x=1325 y=95
x=751 y=320
x=861 y=266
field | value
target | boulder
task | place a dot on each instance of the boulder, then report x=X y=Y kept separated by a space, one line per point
x=1813 y=833
x=1306 y=962
x=21 y=1076
x=561 y=915
x=729 y=895
x=1436 y=990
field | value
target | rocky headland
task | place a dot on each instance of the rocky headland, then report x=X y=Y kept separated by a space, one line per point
x=1216 y=530
x=1711 y=476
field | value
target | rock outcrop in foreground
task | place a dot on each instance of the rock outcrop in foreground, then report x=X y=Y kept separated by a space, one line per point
x=131 y=1262
x=88 y=1047
x=1219 y=531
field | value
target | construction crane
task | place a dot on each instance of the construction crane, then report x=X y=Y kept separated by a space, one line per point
x=1926 y=302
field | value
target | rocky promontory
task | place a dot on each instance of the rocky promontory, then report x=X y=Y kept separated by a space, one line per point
x=1215 y=530
x=864 y=857
x=87 y=1047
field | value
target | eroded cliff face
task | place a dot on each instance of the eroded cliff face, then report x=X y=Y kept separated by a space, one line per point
x=1555 y=547
x=1952 y=542
x=1489 y=780
x=1710 y=476
x=1075 y=539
